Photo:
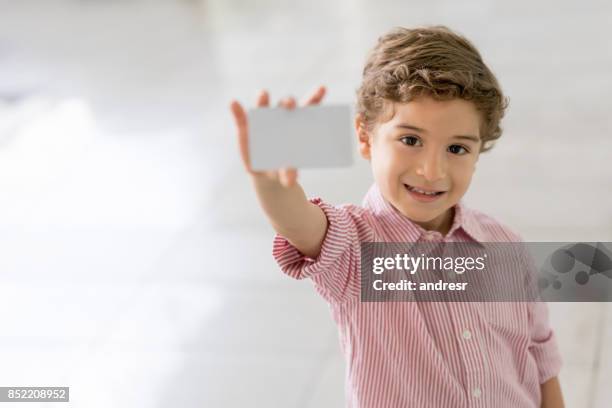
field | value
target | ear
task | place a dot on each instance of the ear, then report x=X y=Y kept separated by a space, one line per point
x=363 y=137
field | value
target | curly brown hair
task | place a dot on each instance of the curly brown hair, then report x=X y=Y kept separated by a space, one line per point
x=429 y=61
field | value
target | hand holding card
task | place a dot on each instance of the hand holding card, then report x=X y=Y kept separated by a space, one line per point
x=292 y=215
x=264 y=158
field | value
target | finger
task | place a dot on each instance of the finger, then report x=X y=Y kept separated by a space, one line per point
x=287 y=103
x=291 y=103
x=291 y=176
x=240 y=118
x=263 y=100
x=316 y=96
x=288 y=176
x=271 y=174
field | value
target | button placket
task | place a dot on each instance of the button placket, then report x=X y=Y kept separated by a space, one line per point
x=470 y=349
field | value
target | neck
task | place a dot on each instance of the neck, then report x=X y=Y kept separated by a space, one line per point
x=442 y=224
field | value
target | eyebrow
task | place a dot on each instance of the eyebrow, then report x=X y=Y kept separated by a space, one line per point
x=466 y=137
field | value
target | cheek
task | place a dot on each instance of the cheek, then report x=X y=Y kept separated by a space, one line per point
x=386 y=159
x=462 y=174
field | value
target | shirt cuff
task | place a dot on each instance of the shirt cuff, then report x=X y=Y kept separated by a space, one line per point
x=337 y=240
x=544 y=349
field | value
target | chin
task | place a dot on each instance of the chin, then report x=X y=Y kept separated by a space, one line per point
x=425 y=217
x=422 y=216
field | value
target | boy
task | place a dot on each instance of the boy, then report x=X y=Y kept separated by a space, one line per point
x=427 y=107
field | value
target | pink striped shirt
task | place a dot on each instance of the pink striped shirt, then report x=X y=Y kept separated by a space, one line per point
x=424 y=354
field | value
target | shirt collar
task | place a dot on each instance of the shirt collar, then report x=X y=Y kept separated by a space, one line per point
x=464 y=217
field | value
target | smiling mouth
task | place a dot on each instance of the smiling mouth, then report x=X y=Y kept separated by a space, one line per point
x=423 y=192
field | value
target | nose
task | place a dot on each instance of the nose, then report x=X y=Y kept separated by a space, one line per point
x=432 y=166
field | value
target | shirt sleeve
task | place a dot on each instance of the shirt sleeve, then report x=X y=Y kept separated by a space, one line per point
x=336 y=270
x=543 y=345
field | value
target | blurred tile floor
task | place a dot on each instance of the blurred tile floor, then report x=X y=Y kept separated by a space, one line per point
x=136 y=265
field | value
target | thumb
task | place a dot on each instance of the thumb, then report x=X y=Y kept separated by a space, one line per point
x=288 y=176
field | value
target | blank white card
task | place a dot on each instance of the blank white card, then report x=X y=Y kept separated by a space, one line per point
x=305 y=137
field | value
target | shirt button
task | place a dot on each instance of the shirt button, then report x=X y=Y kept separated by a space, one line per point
x=467 y=334
x=476 y=392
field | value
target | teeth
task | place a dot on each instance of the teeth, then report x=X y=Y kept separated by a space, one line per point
x=421 y=191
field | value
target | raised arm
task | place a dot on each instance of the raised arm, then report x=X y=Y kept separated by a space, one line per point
x=281 y=197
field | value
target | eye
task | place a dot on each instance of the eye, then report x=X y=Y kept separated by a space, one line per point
x=410 y=140
x=456 y=149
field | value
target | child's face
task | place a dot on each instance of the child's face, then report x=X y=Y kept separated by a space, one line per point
x=432 y=158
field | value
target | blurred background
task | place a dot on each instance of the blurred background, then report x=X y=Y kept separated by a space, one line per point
x=135 y=263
